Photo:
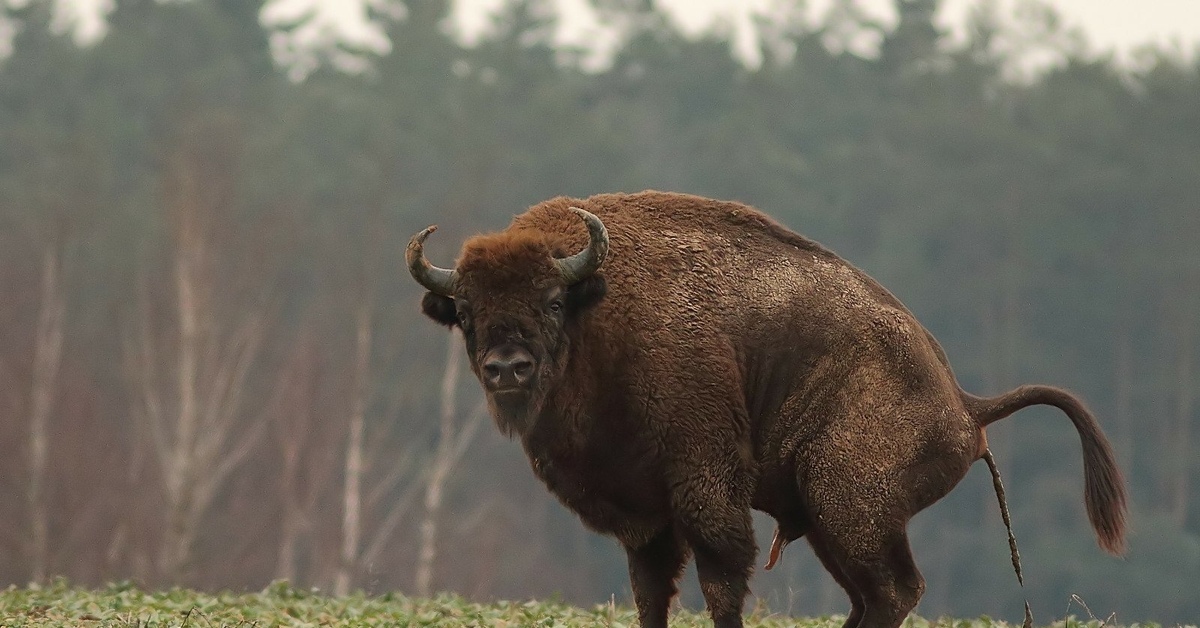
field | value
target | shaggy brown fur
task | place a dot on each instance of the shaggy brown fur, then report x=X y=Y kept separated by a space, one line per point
x=718 y=362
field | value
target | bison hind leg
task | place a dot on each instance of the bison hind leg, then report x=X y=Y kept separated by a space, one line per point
x=829 y=559
x=881 y=578
x=859 y=534
x=890 y=585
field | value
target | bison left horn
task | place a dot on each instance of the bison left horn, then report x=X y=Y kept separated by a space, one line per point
x=581 y=265
x=436 y=280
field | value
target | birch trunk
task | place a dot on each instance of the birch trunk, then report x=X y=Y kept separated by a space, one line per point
x=352 y=490
x=289 y=534
x=180 y=464
x=292 y=523
x=1181 y=438
x=47 y=356
x=1001 y=325
x=292 y=415
x=193 y=387
x=442 y=463
x=1123 y=398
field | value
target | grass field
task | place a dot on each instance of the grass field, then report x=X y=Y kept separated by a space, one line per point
x=280 y=605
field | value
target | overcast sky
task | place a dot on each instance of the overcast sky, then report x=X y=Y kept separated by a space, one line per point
x=1109 y=24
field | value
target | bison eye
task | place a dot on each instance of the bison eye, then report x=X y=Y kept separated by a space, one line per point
x=556 y=306
x=462 y=318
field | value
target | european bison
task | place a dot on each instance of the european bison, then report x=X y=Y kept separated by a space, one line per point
x=669 y=362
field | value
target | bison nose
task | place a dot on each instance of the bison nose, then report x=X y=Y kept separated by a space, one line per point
x=510 y=369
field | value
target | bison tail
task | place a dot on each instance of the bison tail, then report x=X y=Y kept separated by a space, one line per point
x=1104 y=488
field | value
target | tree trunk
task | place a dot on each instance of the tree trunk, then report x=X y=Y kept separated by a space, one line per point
x=1181 y=438
x=200 y=431
x=180 y=465
x=442 y=464
x=1123 y=398
x=289 y=534
x=292 y=517
x=1002 y=327
x=352 y=489
x=292 y=413
x=47 y=356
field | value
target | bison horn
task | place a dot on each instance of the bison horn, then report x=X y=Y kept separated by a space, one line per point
x=436 y=280
x=581 y=265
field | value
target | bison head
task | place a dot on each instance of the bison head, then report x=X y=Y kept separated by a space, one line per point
x=514 y=296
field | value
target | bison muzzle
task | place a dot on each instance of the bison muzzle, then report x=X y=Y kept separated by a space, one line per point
x=713 y=362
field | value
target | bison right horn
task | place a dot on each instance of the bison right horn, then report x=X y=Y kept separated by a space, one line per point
x=436 y=280
x=581 y=265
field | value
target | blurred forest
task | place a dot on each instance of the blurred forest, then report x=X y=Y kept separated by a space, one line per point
x=214 y=373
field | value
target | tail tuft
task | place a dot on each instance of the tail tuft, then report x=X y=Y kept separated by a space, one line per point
x=1103 y=486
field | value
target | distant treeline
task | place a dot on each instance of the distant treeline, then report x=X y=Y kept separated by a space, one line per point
x=213 y=370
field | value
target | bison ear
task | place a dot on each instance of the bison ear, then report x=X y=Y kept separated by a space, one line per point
x=586 y=293
x=441 y=309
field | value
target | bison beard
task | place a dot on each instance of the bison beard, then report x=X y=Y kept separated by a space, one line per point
x=713 y=362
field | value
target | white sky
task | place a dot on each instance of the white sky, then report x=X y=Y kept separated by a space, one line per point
x=1120 y=25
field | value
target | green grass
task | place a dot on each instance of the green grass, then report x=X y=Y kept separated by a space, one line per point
x=61 y=605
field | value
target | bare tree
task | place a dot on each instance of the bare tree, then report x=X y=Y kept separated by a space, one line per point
x=13 y=489
x=47 y=355
x=1179 y=491
x=292 y=434
x=308 y=450
x=1123 y=396
x=398 y=506
x=454 y=436
x=191 y=388
x=352 y=490
x=352 y=506
x=1000 y=323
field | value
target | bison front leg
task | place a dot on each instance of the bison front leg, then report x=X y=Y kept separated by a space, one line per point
x=713 y=514
x=654 y=570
